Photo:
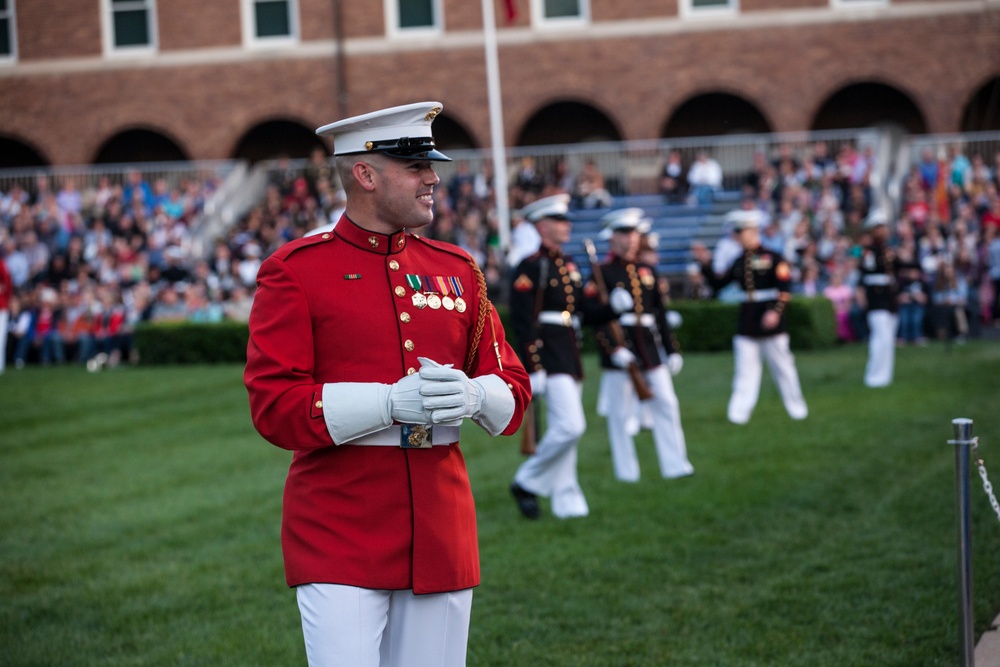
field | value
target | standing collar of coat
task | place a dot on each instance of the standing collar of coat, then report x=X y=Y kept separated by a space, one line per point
x=380 y=244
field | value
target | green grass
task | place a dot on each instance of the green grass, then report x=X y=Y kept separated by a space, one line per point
x=139 y=525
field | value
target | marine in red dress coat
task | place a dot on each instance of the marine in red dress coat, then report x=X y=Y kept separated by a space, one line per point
x=344 y=307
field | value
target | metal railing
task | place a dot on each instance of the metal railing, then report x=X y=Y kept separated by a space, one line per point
x=91 y=176
x=633 y=167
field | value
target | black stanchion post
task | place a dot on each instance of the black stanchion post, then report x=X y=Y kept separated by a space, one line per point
x=963 y=443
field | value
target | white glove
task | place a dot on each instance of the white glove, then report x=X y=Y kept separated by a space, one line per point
x=450 y=395
x=622 y=357
x=621 y=300
x=675 y=363
x=674 y=319
x=538 y=382
x=354 y=409
x=405 y=401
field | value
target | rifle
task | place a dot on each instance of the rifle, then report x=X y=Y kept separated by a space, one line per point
x=642 y=389
x=529 y=427
x=532 y=418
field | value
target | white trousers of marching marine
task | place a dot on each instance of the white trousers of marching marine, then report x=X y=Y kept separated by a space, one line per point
x=747 y=354
x=347 y=626
x=626 y=414
x=551 y=470
x=882 y=326
x=4 y=322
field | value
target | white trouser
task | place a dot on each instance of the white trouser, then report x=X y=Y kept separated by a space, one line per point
x=618 y=402
x=4 y=321
x=551 y=470
x=346 y=626
x=746 y=378
x=882 y=326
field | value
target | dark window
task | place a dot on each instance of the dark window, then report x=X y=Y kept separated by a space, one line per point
x=130 y=20
x=562 y=9
x=273 y=18
x=416 y=13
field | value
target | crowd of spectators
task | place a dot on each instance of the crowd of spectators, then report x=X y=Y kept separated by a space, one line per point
x=943 y=235
x=90 y=263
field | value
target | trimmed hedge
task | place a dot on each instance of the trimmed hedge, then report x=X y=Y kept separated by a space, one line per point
x=188 y=343
x=708 y=327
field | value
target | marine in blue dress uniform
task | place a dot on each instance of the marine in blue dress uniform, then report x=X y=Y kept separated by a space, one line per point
x=641 y=336
x=877 y=293
x=547 y=308
x=765 y=280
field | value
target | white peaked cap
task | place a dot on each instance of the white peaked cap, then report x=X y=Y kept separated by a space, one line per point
x=741 y=219
x=403 y=132
x=625 y=219
x=875 y=218
x=556 y=206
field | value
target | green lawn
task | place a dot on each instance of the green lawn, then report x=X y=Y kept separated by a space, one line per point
x=139 y=525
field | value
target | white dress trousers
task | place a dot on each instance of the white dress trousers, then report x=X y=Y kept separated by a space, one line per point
x=4 y=324
x=882 y=326
x=347 y=626
x=551 y=470
x=776 y=351
x=626 y=414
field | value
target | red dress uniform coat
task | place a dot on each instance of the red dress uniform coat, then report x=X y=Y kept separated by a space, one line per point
x=338 y=307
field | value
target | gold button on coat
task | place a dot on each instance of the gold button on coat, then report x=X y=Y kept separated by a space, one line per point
x=409 y=345
x=404 y=317
x=400 y=291
x=394 y=265
x=319 y=405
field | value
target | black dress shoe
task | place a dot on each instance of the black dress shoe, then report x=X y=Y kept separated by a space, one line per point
x=527 y=502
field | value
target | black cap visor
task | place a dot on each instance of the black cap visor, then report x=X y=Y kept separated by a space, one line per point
x=407 y=148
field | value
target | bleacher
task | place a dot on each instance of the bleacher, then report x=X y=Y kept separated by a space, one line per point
x=677 y=226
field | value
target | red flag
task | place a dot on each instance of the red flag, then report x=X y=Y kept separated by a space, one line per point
x=511 y=7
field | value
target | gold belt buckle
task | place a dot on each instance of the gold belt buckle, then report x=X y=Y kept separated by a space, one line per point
x=567 y=318
x=415 y=436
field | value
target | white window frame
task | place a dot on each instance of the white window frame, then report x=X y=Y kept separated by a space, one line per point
x=853 y=4
x=687 y=10
x=538 y=18
x=248 y=18
x=11 y=17
x=108 y=30
x=393 y=29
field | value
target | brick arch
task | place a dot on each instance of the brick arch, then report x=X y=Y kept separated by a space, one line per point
x=567 y=120
x=139 y=143
x=715 y=112
x=276 y=136
x=16 y=152
x=861 y=102
x=451 y=133
x=982 y=110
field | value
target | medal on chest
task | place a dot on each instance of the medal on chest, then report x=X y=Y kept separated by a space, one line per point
x=646 y=277
x=436 y=292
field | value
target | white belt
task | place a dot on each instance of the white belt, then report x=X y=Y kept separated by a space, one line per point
x=761 y=295
x=876 y=279
x=409 y=436
x=633 y=319
x=560 y=317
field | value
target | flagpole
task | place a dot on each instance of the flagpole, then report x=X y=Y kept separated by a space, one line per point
x=496 y=125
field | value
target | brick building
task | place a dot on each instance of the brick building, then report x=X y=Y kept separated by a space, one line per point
x=87 y=81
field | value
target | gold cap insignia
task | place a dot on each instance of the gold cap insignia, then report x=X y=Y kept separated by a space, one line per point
x=432 y=114
x=369 y=145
